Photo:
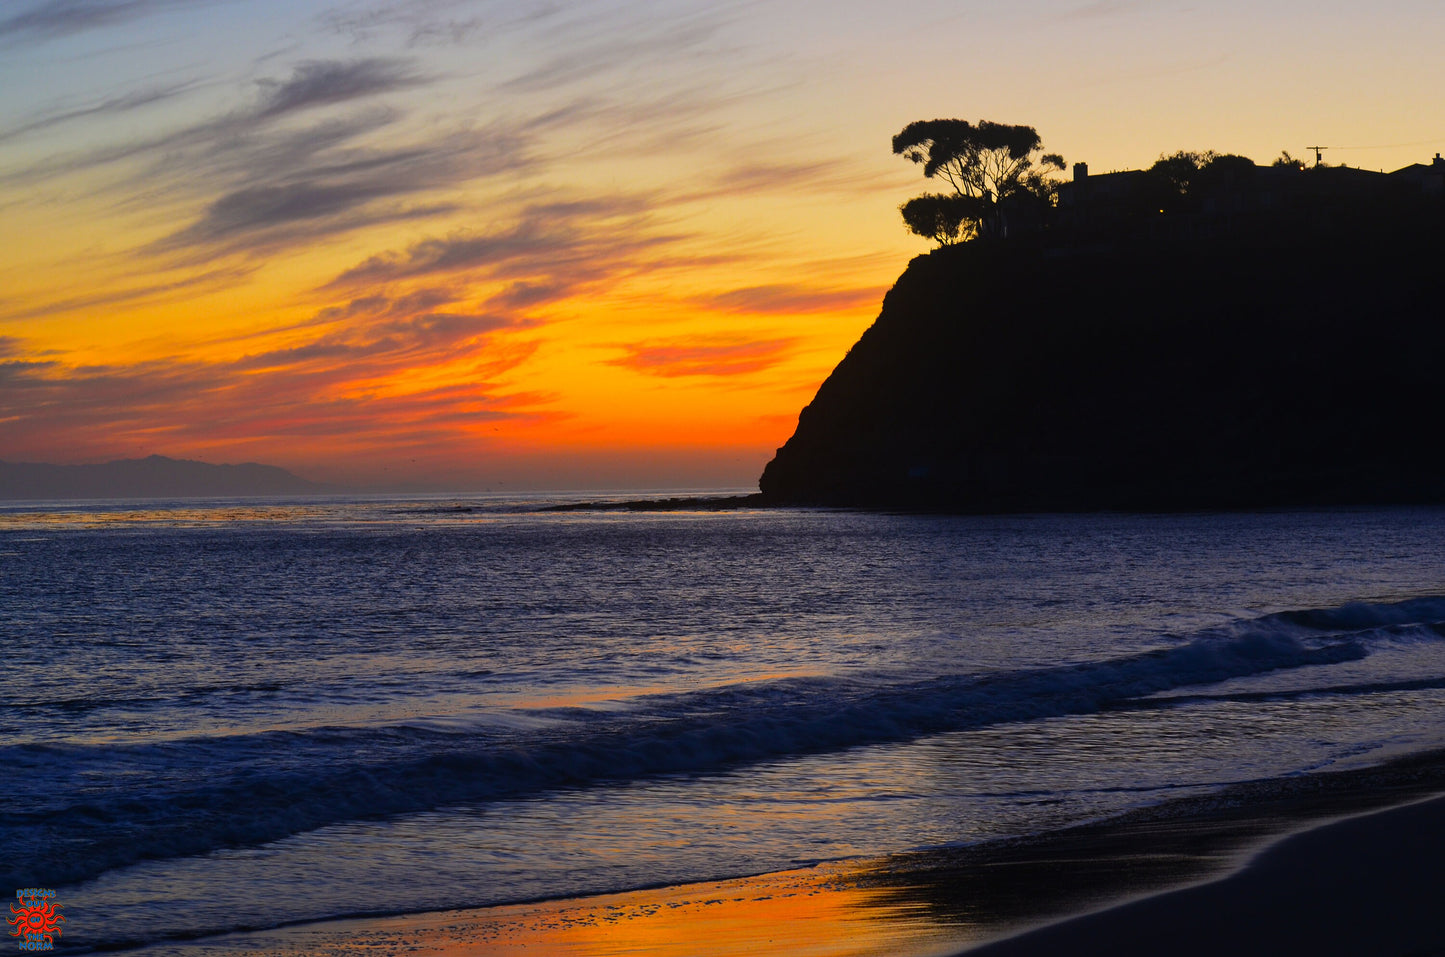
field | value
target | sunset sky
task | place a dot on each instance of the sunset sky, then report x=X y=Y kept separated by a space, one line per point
x=481 y=244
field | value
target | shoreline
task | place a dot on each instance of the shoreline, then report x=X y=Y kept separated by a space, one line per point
x=1001 y=894
x=1369 y=883
x=1015 y=884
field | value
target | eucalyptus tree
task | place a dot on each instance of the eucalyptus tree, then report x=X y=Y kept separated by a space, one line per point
x=985 y=163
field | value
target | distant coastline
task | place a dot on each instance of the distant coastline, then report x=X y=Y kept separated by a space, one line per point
x=152 y=477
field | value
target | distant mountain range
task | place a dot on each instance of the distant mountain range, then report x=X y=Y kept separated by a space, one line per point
x=153 y=477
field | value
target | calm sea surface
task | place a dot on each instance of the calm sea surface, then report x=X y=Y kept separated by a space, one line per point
x=243 y=714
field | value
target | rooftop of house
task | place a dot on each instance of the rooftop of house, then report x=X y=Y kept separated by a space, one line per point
x=1435 y=166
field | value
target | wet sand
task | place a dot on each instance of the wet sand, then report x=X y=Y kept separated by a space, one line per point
x=1368 y=885
x=1333 y=885
x=819 y=911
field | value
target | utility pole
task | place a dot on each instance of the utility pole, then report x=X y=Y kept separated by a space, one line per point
x=1319 y=160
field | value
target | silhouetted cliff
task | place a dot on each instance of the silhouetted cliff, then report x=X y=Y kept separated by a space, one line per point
x=1279 y=358
x=152 y=477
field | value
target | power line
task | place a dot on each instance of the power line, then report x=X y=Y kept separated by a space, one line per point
x=1386 y=146
x=1319 y=150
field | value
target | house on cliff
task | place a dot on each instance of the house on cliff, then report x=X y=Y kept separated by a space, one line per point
x=1428 y=177
x=1221 y=201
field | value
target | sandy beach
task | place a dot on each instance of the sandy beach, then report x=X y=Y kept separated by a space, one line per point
x=1326 y=863
x=1369 y=884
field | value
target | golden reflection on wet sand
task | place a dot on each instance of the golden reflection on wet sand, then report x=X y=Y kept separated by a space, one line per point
x=814 y=912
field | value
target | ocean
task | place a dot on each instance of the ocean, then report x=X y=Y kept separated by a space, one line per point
x=250 y=714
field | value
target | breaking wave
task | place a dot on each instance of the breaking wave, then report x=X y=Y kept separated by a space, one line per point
x=108 y=806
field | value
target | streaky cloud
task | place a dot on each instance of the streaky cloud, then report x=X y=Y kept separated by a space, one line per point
x=583 y=239
x=396 y=339
x=324 y=82
x=605 y=51
x=816 y=176
x=787 y=298
x=313 y=184
x=412 y=303
x=237 y=141
x=423 y=22
x=121 y=103
x=151 y=292
x=458 y=253
x=261 y=206
x=235 y=219
x=525 y=295
x=327 y=386
x=703 y=357
x=215 y=145
x=59 y=18
x=193 y=402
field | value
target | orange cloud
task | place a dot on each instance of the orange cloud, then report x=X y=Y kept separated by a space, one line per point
x=378 y=372
x=703 y=357
x=791 y=299
x=410 y=250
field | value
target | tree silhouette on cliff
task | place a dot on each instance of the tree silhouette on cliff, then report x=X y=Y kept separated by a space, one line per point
x=985 y=164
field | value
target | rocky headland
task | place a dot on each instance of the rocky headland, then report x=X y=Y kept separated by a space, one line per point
x=1263 y=347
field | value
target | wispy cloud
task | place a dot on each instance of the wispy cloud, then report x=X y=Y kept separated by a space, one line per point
x=348 y=381
x=59 y=18
x=110 y=106
x=788 y=299
x=810 y=176
x=420 y=22
x=323 y=82
x=529 y=295
x=703 y=356
x=606 y=47
x=551 y=250
x=460 y=252
x=500 y=166
x=380 y=333
x=272 y=184
x=412 y=303
x=329 y=147
x=752 y=176
x=158 y=290
x=260 y=220
x=186 y=404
